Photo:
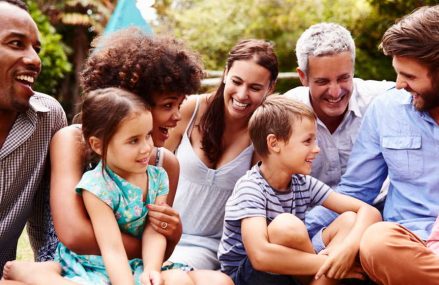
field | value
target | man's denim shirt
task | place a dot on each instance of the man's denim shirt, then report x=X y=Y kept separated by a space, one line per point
x=396 y=140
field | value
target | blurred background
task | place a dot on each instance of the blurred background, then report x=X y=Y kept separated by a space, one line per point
x=210 y=27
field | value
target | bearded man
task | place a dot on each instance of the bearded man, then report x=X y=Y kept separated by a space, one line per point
x=399 y=138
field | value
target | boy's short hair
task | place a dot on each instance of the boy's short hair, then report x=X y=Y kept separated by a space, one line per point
x=276 y=115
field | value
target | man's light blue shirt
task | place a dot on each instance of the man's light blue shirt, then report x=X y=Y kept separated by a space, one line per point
x=336 y=147
x=396 y=140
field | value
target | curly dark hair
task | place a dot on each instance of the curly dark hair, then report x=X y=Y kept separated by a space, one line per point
x=18 y=3
x=145 y=65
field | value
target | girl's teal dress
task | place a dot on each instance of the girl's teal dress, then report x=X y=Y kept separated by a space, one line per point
x=126 y=201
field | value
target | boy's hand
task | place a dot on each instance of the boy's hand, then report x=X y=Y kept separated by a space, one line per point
x=151 y=278
x=339 y=263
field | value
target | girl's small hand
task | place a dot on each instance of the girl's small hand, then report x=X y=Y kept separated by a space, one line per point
x=151 y=278
x=165 y=220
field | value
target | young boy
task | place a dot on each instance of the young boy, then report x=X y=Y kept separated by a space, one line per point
x=265 y=240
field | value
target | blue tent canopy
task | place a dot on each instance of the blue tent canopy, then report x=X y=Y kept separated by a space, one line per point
x=125 y=15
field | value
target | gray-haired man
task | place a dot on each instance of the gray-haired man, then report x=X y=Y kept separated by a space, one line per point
x=326 y=60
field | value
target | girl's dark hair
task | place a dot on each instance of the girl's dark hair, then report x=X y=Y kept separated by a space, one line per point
x=102 y=112
x=212 y=122
x=145 y=65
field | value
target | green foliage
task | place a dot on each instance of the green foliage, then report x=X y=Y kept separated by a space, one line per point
x=212 y=27
x=398 y=8
x=371 y=63
x=53 y=54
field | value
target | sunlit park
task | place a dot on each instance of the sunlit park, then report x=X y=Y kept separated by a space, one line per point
x=210 y=27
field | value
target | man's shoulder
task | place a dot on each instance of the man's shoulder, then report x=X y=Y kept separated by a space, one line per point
x=300 y=93
x=387 y=108
x=365 y=91
x=392 y=98
x=54 y=113
x=371 y=88
x=39 y=100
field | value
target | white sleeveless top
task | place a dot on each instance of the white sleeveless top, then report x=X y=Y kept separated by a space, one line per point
x=203 y=192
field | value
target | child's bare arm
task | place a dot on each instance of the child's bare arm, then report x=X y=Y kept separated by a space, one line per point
x=109 y=239
x=342 y=255
x=153 y=250
x=270 y=257
x=70 y=218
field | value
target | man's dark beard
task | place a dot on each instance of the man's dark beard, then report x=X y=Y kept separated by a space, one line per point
x=430 y=99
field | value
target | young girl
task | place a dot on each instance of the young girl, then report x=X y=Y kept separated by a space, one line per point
x=161 y=71
x=117 y=127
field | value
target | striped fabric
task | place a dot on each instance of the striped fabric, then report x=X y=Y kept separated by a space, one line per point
x=254 y=197
x=24 y=176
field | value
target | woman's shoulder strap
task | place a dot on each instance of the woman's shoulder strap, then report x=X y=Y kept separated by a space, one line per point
x=194 y=115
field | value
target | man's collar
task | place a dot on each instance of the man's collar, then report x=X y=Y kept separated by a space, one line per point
x=353 y=103
x=36 y=105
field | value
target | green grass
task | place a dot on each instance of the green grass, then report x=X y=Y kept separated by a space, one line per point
x=24 y=250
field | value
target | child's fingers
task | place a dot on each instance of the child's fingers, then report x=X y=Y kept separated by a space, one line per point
x=144 y=279
x=332 y=272
x=340 y=272
x=156 y=278
x=323 y=269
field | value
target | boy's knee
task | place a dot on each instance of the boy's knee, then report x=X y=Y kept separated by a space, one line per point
x=339 y=228
x=347 y=219
x=209 y=277
x=286 y=229
x=221 y=279
x=176 y=276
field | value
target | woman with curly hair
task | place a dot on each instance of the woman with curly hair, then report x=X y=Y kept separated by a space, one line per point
x=213 y=147
x=160 y=70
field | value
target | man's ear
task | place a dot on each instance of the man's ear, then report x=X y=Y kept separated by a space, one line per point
x=95 y=144
x=302 y=76
x=272 y=143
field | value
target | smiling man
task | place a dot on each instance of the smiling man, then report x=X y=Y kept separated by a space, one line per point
x=399 y=138
x=28 y=120
x=326 y=60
